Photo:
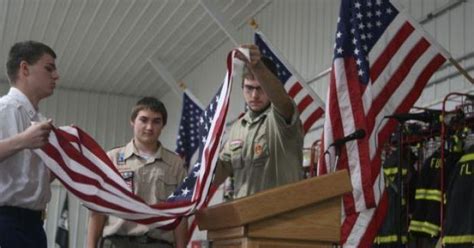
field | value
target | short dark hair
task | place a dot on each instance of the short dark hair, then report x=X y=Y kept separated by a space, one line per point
x=268 y=63
x=28 y=51
x=150 y=103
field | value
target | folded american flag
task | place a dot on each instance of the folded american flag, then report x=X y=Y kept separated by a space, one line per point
x=86 y=171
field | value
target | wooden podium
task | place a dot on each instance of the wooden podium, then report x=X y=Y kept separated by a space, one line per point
x=299 y=215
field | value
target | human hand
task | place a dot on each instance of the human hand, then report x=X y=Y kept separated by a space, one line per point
x=254 y=55
x=36 y=135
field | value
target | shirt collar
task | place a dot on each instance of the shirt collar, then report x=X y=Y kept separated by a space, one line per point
x=25 y=102
x=130 y=149
x=247 y=117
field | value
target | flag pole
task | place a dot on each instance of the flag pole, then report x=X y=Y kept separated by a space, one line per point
x=461 y=70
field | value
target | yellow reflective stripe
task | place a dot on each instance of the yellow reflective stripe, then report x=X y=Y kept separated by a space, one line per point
x=389 y=239
x=458 y=239
x=433 y=198
x=428 y=194
x=426 y=224
x=424 y=227
x=393 y=171
x=457 y=144
x=428 y=191
x=428 y=197
x=466 y=158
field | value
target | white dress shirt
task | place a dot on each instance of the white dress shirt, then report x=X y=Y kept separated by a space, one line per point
x=24 y=179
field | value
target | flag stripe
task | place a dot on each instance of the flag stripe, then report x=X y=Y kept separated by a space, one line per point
x=314 y=116
x=87 y=184
x=109 y=204
x=209 y=157
x=84 y=162
x=112 y=191
x=361 y=228
x=303 y=104
x=395 y=81
x=392 y=48
x=411 y=98
x=193 y=222
x=295 y=89
x=336 y=121
x=409 y=88
x=359 y=154
x=72 y=176
x=395 y=63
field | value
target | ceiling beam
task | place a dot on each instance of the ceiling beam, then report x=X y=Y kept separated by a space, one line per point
x=222 y=21
x=165 y=74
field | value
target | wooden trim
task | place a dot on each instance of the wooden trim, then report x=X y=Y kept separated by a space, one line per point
x=274 y=201
x=234 y=232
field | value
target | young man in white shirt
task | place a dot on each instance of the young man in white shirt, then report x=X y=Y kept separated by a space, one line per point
x=24 y=179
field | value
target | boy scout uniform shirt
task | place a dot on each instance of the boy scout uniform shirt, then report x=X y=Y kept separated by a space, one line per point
x=264 y=152
x=153 y=179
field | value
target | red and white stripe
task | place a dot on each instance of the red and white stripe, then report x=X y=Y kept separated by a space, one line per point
x=310 y=110
x=402 y=62
x=86 y=171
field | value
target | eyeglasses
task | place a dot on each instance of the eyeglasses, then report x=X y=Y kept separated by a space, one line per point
x=249 y=89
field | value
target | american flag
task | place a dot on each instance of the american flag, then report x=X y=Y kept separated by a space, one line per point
x=85 y=170
x=189 y=140
x=310 y=106
x=205 y=120
x=382 y=62
x=188 y=134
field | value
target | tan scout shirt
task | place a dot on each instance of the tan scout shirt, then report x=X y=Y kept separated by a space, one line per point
x=153 y=179
x=264 y=152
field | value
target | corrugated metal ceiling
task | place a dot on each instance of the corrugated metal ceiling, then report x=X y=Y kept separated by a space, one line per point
x=120 y=46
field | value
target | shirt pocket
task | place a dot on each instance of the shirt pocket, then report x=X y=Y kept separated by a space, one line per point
x=261 y=158
x=236 y=155
x=166 y=186
x=260 y=151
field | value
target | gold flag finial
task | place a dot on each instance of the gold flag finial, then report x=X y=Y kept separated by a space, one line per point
x=253 y=23
x=182 y=86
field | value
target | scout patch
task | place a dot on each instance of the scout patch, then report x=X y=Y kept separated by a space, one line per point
x=258 y=149
x=128 y=177
x=236 y=144
x=120 y=158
